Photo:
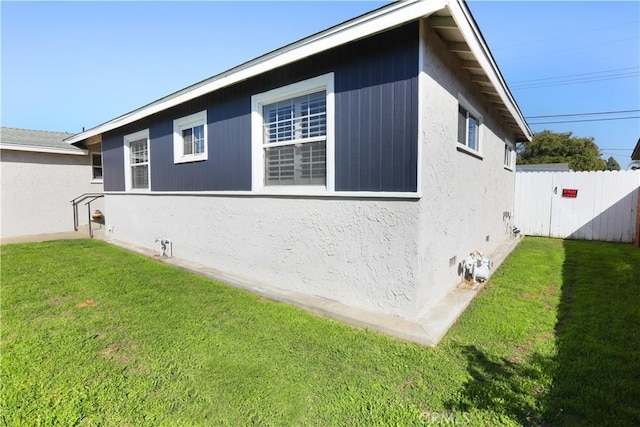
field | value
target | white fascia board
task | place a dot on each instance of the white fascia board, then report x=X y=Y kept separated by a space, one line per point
x=372 y=23
x=36 y=149
x=464 y=21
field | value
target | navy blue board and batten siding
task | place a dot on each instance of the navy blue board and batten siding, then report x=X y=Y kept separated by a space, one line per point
x=376 y=123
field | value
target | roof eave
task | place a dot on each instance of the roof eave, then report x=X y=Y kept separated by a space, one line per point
x=366 y=25
x=472 y=34
x=379 y=20
x=42 y=149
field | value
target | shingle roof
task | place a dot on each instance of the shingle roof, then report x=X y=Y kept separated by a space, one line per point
x=36 y=140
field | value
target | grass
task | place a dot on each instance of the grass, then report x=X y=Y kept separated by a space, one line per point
x=94 y=335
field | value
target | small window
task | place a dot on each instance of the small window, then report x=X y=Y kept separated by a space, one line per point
x=508 y=156
x=469 y=128
x=137 y=160
x=292 y=136
x=190 y=138
x=96 y=166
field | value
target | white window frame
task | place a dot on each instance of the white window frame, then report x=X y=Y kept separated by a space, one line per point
x=509 y=158
x=95 y=180
x=128 y=139
x=258 y=101
x=466 y=105
x=190 y=121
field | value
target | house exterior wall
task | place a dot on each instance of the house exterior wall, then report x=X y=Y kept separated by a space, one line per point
x=37 y=189
x=375 y=132
x=466 y=199
x=389 y=255
x=358 y=252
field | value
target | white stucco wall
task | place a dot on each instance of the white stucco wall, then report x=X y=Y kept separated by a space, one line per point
x=359 y=252
x=36 y=189
x=465 y=198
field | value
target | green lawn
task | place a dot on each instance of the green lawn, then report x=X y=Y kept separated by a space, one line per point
x=94 y=335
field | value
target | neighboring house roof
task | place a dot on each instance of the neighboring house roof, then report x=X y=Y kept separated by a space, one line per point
x=450 y=18
x=549 y=167
x=37 y=141
x=636 y=151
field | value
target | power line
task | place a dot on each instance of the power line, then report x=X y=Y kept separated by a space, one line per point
x=582 y=114
x=575 y=75
x=575 y=81
x=556 y=37
x=588 y=120
x=548 y=53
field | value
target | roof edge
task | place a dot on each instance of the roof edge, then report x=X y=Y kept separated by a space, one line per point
x=635 y=155
x=42 y=149
x=477 y=43
x=376 y=21
x=366 y=25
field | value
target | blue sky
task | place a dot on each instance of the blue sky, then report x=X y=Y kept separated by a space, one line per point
x=78 y=64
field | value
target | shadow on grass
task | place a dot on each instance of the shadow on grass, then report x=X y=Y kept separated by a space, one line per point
x=502 y=386
x=597 y=381
x=594 y=377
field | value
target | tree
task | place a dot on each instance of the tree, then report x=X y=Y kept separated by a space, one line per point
x=612 y=164
x=582 y=154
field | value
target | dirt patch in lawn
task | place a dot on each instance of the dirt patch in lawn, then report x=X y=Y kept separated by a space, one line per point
x=86 y=303
x=55 y=301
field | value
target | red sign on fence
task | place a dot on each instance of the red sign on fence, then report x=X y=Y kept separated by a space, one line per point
x=571 y=193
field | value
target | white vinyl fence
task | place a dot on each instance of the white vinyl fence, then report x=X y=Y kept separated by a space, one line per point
x=604 y=207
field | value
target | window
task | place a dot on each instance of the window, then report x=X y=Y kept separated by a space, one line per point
x=469 y=127
x=292 y=136
x=190 y=138
x=301 y=125
x=96 y=166
x=508 y=156
x=137 y=160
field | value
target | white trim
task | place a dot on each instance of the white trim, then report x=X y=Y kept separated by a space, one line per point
x=37 y=149
x=422 y=77
x=331 y=135
x=462 y=101
x=143 y=134
x=95 y=180
x=323 y=194
x=192 y=120
x=374 y=22
x=512 y=160
x=468 y=150
x=304 y=87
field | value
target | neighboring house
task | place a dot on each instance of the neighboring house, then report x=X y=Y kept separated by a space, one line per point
x=635 y=157
x=548 y=167
x=40 y=175
x=359 y=165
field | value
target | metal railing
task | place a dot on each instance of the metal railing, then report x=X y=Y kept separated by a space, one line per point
x=75 y=202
